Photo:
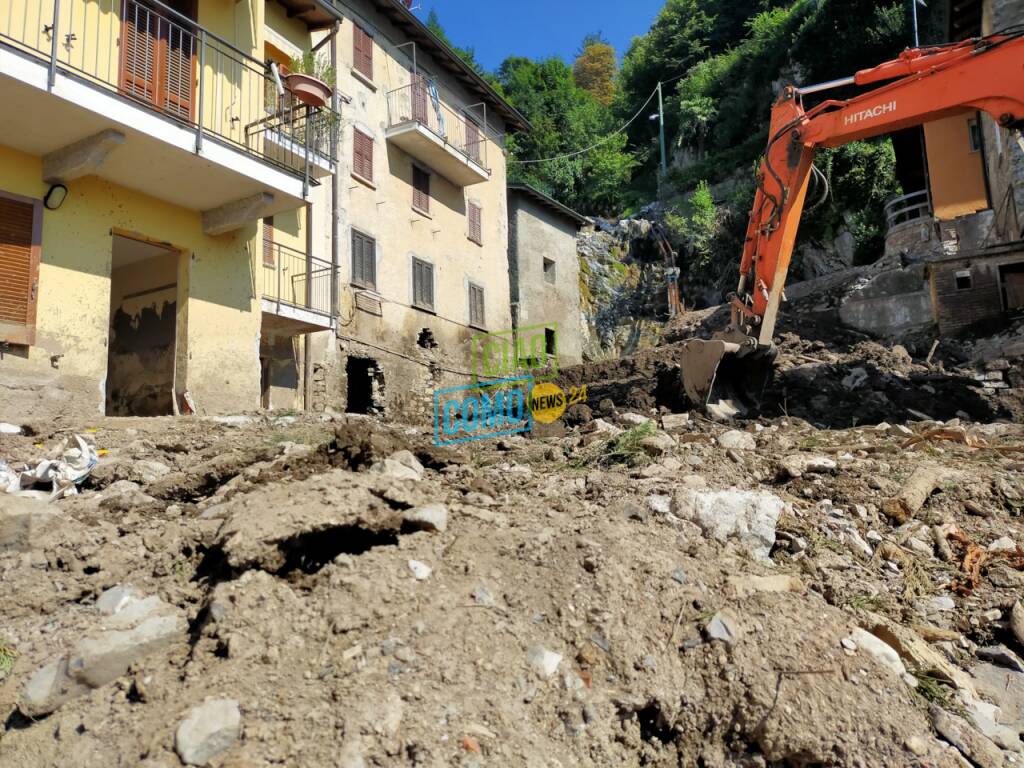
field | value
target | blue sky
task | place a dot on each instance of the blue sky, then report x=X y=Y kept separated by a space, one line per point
x=538 y=28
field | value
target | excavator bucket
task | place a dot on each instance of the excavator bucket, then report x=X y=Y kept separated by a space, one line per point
x=725 y=376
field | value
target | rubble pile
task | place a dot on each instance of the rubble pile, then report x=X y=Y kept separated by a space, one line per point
x=645 y=588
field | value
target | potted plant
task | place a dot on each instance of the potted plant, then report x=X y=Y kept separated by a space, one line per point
x=310 y=80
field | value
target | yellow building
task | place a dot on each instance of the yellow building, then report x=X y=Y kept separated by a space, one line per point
x=177 y=226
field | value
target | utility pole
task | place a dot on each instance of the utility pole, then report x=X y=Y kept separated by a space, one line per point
x=913 y=16
x=660 y=117
x=661 y=130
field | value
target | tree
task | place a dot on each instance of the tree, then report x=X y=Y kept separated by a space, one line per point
x=565 y=119
x=595 y=68
x=468 y=55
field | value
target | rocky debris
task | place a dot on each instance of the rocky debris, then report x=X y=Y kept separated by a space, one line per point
x=420 y=571
x=136 y=628
x=430 y=517
x=208 y=730
x=736 y=440
x=675 y=422
x=657 y=444
x=542 y=661
x=979 y=750
x=24 y=521
x=797 y=465
x=881 y=651
x=914 y=493
x=723 y=627
x=748 y=516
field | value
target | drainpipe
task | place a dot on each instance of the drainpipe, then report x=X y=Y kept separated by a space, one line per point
x=307 y=354
x=335 y=177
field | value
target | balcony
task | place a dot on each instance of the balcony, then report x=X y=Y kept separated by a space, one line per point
x=907 y=208
x=197 y=122
x=295 y=290
x=451 y=142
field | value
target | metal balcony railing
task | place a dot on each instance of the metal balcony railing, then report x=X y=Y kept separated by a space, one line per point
x=421 y=103
x=909 y=207
x=292 y=278
x=152 y=55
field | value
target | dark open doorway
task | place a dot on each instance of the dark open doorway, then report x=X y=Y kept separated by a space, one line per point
x=365 y=385
x=1011 y=277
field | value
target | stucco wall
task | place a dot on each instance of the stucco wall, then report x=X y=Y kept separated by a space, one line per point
x=539 y=233
x=955 y=173
x=384 y=211
x=218 y=323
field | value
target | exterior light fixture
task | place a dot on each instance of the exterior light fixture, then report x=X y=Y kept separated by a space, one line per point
x=55 y=197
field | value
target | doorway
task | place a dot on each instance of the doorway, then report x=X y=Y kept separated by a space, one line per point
x=143 y=328
x=158 y=56
x=365 y=389
x=1011 y=277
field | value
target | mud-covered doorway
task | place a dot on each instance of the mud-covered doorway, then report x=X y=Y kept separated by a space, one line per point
x=1012 y=278
x=143 y=319
x=365 y=385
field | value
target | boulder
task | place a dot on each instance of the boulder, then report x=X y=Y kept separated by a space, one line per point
x=747 y=516
x=207 y=731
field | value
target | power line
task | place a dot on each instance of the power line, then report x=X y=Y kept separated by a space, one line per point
x=606 y=139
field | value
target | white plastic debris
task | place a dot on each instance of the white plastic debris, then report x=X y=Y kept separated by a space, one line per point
x=9 y=429
x=76 y=459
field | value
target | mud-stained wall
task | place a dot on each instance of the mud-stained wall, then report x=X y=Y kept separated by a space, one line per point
x=538 y=233
x=281 y=356
x=65 y=371
x=143 y=320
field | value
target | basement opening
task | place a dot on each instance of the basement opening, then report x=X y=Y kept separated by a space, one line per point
x=365 y=390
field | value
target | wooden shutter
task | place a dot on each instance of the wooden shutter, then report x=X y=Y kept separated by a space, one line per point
x=476 y=305
x=422 y=284
x=362 y=51
x=419 y=100
x=420 y=189
x=362 y=154
x=268 y=241
x=364 y=261
x=476 y=224
x=179 y=49
x=472 y=140
x=21 y=221
x=139 y=43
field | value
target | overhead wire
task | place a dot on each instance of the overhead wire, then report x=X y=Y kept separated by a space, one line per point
x=606 y=139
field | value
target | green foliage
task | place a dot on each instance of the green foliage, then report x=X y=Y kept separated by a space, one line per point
x=468 y=55
x=565 y=118
x=314 y=66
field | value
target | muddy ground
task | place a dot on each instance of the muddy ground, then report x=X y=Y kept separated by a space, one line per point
x=645 y=589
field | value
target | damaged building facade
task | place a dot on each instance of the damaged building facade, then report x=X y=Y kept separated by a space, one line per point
x=956 y=234
x=183 y=229
x=144 y=147
x=422 y=228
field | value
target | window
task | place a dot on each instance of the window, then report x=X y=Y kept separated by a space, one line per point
x=420 y=189
x=268 y=241
x=549 y=271
x=422 y=284
x=974 y=134
x=476 y=305
x=364 y=261
x=362 y=51
x=362 y=155
x=476 y=229
x=550 y=342
x=963 y=280
x=21 y=220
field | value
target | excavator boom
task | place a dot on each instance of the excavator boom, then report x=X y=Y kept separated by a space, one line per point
x=984 y=74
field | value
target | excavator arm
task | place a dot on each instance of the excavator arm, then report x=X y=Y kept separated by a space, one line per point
x=985 y=74
x=923 y=84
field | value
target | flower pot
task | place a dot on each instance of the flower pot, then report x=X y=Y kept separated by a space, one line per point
x=308 y=89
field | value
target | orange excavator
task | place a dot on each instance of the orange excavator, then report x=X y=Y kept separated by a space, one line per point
x=982 y=74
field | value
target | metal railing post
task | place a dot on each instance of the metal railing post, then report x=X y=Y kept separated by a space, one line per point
x=52 y=79
x=305 y=178
x=202 y=79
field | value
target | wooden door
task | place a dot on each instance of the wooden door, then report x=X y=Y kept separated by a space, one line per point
x=158 y=57
x=473 y=140
x=1013 y=283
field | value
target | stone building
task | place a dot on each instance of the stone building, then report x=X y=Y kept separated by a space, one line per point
x=544 y=270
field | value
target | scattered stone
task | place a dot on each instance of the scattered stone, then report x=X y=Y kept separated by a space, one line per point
x=395 y=469
x=1001 y=655
x=420 y=571
x=941 y=603
x=748 y=516
x=736 y=440
x=855 y=379
x=659 y=504
x=746 y=585
x=633 y=419
x=857 y=545
x=723 y=627
x=482 y=596
x=671 y=422
x=915 y=492
x=542 y=661
x=601 y=427
x=799 y=464
x=9 y=429
x=431 y=517
x=1017 y=621
x=1003 y=544
x=973 y=745
x=207 y=731
x=657 y=444
x=885 y=654
x=679 y=576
